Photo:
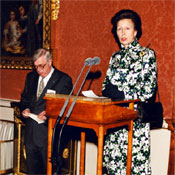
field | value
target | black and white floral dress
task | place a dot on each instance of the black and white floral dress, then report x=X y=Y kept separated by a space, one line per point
x=133 y=71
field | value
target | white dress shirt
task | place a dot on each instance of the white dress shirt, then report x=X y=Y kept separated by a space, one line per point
x=46 y=79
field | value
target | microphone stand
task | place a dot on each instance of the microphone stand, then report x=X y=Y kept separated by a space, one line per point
x=57 y=169
x=55 y=157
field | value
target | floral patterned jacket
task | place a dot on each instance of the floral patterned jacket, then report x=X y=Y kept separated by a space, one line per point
x=133 y=71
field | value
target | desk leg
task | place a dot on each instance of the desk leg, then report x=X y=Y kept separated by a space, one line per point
x=100 y=150
x=82 y=153
x=129 y=154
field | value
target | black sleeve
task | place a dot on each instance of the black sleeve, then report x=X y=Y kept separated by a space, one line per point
x=25 y=102
x=112 y=92
x=66 y=85
x=28 y=96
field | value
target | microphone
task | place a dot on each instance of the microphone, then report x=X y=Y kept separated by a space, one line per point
x=56 y=128
x=91 y=62
x=95 y=60
x=88 y=61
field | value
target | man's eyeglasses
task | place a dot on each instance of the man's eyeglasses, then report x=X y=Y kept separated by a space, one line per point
x=40 y=66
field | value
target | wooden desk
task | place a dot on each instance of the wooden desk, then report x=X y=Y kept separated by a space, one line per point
x=96 y=114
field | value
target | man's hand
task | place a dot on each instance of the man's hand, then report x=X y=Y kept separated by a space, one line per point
x=26 y=113
x=42 y=115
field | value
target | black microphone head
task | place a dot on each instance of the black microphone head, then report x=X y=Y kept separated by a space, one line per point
x=88 y=61
x=96 y=60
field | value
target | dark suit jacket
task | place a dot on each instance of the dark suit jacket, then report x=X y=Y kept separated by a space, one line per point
x=60 y=82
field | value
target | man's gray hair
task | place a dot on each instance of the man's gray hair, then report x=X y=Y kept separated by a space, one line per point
x=42 y=52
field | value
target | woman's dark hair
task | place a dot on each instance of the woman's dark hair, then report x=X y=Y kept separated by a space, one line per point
x=126 y=14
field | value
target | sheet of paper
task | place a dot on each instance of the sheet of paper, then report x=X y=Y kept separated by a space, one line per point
x=91 y=94
x=50 y=91
x=35 y=117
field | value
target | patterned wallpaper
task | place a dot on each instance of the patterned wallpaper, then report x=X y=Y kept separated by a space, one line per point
x=83 y=30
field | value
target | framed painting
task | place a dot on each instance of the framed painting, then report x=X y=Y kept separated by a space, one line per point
x=25 y=27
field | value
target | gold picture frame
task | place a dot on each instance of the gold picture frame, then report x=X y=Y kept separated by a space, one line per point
x=50 y=11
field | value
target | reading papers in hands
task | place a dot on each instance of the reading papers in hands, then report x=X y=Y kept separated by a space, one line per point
x=91 y=94
x=35 y=117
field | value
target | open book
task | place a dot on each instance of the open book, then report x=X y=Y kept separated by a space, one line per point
x=35 y=117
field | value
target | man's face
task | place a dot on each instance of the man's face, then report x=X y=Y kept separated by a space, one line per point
x=43 y=67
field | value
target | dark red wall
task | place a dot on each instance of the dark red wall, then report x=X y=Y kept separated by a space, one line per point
x=12 y=83
x=83 y=30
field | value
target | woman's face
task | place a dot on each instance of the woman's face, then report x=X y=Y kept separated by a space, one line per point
x=126 y=31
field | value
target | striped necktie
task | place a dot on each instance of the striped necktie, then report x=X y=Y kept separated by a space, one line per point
x=40 y=89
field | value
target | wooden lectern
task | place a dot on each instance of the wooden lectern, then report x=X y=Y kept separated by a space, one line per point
x=98 y=114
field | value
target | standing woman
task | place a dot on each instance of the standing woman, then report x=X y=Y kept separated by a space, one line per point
x=131 y=74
